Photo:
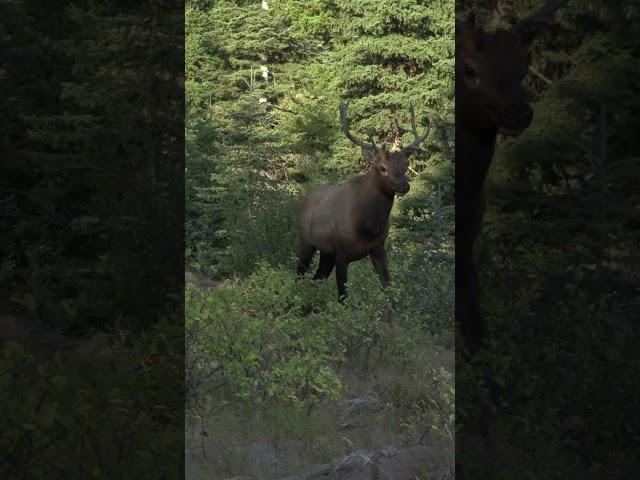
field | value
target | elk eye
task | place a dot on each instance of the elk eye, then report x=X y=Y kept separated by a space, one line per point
x=383 y=169
x=470 y=71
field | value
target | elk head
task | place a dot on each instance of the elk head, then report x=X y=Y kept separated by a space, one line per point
x=490 y=68
x=389 y=168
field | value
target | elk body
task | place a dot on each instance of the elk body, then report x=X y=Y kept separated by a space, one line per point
x=350 y=221
x=489 y=100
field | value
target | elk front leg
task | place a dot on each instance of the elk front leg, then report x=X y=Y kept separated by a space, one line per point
x=341 y=276
x=305 y=254
x=468 y=311
x=380 y=265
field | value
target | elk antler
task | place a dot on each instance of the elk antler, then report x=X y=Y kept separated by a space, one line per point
x=345 y=128
x=413 y=145
x=373 y=144
x=541 y=15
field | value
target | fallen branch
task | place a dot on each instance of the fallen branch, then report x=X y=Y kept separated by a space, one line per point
x=538 y=74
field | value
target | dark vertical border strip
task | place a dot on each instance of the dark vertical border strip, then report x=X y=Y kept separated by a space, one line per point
x=553 y=392
x=92 y=239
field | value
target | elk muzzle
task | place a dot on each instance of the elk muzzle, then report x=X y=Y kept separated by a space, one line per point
x=402 y=188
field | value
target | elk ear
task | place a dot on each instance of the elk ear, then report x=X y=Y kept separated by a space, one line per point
x=369 y=154
x=408 y=151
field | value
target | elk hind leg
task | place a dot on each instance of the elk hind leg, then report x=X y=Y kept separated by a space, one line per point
x=341 y=277
x=327 y=262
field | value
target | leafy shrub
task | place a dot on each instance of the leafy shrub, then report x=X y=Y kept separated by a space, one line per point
x=260 y=225
x=434 y=410
x=253 y=344
x=276 y=337
x=69 y=417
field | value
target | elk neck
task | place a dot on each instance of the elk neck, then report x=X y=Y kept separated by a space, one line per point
x=474 y=153
x=374 y=200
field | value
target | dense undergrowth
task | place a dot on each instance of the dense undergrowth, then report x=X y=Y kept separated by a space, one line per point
x=275 y=336
x=112 y=405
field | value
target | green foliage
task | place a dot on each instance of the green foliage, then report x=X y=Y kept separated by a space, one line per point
x=263 y=228
x=258 y=345
x=558 y=261
x=89 y=113
x=247 y=135
x=94 y=415
x=276 y=337
x=434 y=411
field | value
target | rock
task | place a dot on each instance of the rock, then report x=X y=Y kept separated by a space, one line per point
x=348 y=426
x=387 y=463
x=360 y=403
x=190 y=277
x=409 y=463
x=355 y=466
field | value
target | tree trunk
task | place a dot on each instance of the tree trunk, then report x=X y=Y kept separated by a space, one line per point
x=263 y=58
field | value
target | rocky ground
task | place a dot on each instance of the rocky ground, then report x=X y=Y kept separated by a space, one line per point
x=387 y=463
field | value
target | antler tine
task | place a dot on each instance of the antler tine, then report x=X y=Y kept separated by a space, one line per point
x=345 y=128
x=543 y=13
x=370 y=138
x=419 y=139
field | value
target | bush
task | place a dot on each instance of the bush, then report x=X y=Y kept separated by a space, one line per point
x=69 y=417
x=276 y=337
x=251 y=343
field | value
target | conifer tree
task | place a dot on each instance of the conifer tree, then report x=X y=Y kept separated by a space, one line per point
x=243 y=128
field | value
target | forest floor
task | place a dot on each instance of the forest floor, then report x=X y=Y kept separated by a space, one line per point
x=358 y=437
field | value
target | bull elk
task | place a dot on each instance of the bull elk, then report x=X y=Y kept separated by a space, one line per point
x=489 y=100
x=347 y=222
